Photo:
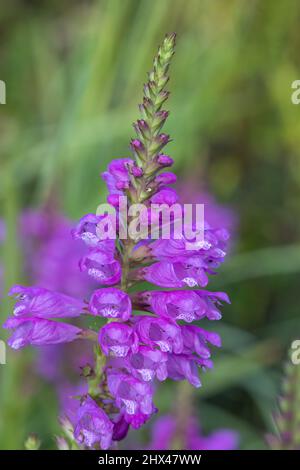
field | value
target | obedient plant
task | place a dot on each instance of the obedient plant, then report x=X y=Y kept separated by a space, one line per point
x=148 y=334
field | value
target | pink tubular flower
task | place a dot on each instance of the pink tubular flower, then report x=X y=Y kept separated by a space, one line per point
x=102 y=267
x=164 y=160
x=132 y=396
x=185 y=366
x=159 y=332
x=166 y=178
x=43 y=303
x=118 y=339
x=86 y=230
x=145 y=364
x=183 y=305
x=195 y=339
x=31 y=317
x=111 y=303
x=117 y=175
x=178 y=274
x=93 y=425
x=39 y=331
x=165 y=196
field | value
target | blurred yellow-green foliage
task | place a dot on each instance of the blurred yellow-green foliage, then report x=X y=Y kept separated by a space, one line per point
x=73 y=72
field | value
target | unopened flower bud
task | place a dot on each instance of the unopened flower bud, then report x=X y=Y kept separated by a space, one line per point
x=113 y=199
x=159 y=120
x=142 y=129
x=164 y=160
x=122 y=185
x=166 y=178
x=158 y=143
x=161 y=98
x=137 y=171
x=138 y=148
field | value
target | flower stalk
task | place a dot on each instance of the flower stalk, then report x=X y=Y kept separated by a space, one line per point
x=133 y=351
x=287 y=417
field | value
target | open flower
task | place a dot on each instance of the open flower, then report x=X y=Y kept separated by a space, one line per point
x=102 y=267
x=178 y=274
x=159 y=332
x=185 y=366
x=34 y=308
x=93 y=426
x=86 y=230
x=195 y=340
x=117 y=175
x=145 y=364
x=184 y=305
x=110 y=303
x=132 y=396
x=39 y=331
x=44 y=303
x=118 y=339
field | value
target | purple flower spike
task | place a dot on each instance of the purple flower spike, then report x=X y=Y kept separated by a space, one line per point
x=110 y=303
x=117 y=339
x=133 y=397
x=159 y=332
x=93 y=425
x=158 y=341
x=102 y=267
x=43 y=303
x=39 y=331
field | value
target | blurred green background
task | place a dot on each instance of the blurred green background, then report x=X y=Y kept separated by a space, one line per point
x=74 y=74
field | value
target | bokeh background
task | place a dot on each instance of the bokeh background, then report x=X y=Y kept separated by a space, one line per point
x=73 y=72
